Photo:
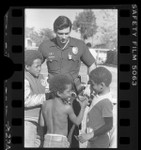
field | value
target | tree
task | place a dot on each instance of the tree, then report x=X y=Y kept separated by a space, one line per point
x=28 y=31
x=109 y=37
x=85 y=23
x=108 y=28
x=46 y=34
x=38 y=37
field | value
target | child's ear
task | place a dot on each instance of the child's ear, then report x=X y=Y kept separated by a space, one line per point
x=58 y=93
x=27 y=67
x=102 y=84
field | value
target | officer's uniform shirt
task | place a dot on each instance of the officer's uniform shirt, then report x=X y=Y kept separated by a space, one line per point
x=67 y=60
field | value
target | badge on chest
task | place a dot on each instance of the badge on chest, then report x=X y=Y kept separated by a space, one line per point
x=74 y=51
x=69 y=56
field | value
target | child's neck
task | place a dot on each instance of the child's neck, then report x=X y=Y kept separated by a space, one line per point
x=105 y=91
x=62 y=101
x=33 y=75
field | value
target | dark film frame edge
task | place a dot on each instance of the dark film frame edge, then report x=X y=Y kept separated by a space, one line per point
x=120 y=138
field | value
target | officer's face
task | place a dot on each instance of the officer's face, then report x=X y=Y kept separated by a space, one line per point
x=63 y=35
x=35 y=68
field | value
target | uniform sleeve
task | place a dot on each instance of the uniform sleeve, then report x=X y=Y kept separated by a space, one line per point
x=87 y=58
x=107 y=108
x=30 y=98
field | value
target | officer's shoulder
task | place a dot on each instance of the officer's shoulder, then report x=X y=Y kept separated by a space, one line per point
x=77 y=41
x=47 y=43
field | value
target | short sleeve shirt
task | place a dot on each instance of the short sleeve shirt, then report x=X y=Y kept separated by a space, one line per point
x=102 y=109
x=67 y=60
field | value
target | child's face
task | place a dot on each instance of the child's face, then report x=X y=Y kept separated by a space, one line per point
x=35 y=68
x=97 y=88
x=67 y=93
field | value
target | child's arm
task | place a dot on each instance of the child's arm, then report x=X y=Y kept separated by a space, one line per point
x=102 y=130
x=77 y=120
x=32 y=99
x=71 y=133
x=107 y=114
x=85 y=137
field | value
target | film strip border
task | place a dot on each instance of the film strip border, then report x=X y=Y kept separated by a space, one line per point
x=127 y=78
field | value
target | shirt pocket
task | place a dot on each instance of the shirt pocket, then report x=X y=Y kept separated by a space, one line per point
x=74 y=62
x=53 y=63
x=52 y=59
x=75 y=58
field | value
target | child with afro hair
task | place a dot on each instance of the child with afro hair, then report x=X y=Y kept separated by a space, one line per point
x=57 y=110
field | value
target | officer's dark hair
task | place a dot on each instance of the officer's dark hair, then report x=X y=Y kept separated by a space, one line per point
x=31 y=55
x=61 y=23
x=58 y=83
x=101 y=74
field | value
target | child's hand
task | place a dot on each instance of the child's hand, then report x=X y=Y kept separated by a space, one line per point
x=87 y=90
x=85 y=137
x=83 y=100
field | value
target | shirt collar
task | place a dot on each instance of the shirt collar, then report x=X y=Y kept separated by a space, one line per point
x=105 y=95
x=71 y=43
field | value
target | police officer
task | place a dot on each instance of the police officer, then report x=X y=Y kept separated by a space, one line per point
x=63 y=55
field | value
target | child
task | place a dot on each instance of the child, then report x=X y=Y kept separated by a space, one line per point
x=57 y=110
x=34 y=95
x=100 y=116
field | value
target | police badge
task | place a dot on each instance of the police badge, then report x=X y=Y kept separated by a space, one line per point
x=69 y=56
x=75 y=50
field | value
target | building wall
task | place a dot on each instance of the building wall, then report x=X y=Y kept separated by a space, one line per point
x=29 y=44
x=99 y=54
